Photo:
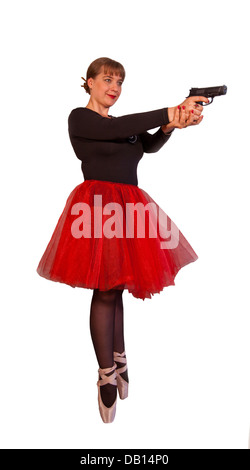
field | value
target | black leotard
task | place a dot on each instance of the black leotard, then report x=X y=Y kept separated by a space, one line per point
x=110 y=148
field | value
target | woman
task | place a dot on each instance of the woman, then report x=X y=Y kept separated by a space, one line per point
x=91 y=248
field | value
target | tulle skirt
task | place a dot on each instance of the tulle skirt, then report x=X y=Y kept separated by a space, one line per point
x=114 y=235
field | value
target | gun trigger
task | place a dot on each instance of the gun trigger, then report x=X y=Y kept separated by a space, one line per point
x=206 y=104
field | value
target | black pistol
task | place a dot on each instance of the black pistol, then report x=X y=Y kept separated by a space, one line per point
x=209 y=92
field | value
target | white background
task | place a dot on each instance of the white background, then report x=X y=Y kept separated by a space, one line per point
x=187 y=347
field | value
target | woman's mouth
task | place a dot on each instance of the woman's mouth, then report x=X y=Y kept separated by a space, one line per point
x=112 y=96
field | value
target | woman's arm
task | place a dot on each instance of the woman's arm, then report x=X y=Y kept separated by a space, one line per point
x=153 y=142
x=86 y=123
x=83 y=122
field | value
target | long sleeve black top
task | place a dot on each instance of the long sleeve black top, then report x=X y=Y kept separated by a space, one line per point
x=110 y=148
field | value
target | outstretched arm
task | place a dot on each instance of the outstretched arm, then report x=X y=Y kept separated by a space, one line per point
x=84 y=122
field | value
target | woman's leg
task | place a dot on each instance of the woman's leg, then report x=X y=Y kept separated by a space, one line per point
x=102 y=315
x=119 y=343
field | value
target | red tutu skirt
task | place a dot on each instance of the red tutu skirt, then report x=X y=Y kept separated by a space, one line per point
x=114 y=235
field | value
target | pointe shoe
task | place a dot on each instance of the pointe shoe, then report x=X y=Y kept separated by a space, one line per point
x=107 y=414
x=121 y=383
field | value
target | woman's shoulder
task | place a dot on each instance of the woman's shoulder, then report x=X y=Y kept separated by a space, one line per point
x=81 y=115
x=78 y=110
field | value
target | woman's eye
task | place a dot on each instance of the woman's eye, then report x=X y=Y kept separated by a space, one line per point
x=109 y=80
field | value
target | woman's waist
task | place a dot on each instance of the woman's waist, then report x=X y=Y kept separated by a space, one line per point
x=111 y=181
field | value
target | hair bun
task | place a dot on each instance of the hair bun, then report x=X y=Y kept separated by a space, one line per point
x=85 y=85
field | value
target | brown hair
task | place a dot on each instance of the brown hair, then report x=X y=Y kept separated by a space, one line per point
x=110 y=66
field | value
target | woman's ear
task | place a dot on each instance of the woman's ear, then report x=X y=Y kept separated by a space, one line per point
x=90 y=83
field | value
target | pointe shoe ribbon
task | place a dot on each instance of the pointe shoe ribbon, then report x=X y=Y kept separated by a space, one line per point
x=121 y=383
x=107 y=413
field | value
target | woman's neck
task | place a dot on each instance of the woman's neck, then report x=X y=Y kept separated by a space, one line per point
x=98 y=108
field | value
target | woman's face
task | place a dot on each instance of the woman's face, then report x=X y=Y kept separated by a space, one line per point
x=105 y=88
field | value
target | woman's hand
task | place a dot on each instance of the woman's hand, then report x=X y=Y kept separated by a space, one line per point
x=188 y=113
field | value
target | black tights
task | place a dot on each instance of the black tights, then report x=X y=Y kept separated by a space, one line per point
x=107 y=333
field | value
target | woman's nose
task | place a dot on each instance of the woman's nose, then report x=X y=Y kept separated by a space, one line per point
x=114 y=87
